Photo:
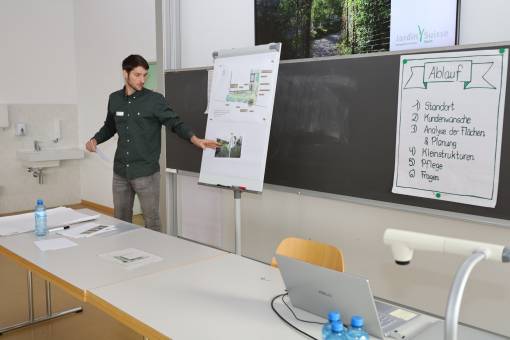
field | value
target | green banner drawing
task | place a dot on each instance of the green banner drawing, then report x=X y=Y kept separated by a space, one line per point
x=472 y=75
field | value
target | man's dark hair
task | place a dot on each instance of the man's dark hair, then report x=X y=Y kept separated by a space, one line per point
x=133 y=61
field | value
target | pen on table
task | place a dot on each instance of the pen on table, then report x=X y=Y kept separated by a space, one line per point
x=58 y=228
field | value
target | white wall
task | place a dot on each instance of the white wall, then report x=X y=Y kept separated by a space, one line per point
x=38 y=83
x=106 y=33
x=484 y=21
x=355 y=228
x=208 y=26
x=70 y=52
x=37 y=52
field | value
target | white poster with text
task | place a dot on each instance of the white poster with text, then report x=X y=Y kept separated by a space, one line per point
x=449 y=126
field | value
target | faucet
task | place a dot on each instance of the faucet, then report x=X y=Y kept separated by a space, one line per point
x=37 y=145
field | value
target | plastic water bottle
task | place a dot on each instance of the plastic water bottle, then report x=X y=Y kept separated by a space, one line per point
x=41 y=227
x=356 y=331
x=337 y=331
x=332 y=317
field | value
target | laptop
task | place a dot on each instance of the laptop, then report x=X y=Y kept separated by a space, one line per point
x=319 y=290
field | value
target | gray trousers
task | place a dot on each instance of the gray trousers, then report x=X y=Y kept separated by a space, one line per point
x=147 y=189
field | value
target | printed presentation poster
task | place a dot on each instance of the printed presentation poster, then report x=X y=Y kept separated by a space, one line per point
x=240 y=110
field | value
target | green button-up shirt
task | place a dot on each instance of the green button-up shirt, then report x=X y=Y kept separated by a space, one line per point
x=137 y=119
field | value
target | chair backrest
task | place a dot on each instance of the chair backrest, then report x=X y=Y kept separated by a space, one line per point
x=320 y=254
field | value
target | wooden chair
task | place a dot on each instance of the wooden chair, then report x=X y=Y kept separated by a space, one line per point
x=313 y=252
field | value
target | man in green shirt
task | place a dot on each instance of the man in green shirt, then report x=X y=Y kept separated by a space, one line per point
x=136 y=114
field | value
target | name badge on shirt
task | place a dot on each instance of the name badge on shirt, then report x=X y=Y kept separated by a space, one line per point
x=120 y=114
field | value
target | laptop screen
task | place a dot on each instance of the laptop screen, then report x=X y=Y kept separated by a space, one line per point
x=319 y=290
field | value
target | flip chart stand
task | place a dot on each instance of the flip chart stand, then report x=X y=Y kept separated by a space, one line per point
x=217 y=175
x=237 y=212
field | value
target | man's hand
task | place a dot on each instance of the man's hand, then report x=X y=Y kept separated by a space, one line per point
x=204 y=143
x=91 y=145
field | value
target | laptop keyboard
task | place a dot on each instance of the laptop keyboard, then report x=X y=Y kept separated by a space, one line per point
x=388 y=321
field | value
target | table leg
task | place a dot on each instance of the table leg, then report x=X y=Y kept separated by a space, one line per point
x=30 y=288
x=31 y=318
x=47 y=286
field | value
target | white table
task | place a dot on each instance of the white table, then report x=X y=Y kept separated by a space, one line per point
x=226 y=297
x=78 y=269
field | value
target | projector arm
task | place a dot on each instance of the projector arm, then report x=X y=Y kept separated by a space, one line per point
x=404 y=242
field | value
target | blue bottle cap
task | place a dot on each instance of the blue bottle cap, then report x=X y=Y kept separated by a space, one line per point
x=40 y=202
x=334 y=316
x=337 y=327
x=357 y=321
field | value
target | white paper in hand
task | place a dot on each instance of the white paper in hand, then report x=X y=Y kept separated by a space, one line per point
x=102 y=155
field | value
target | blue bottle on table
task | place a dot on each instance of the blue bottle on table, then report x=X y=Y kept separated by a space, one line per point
x=356 y=331
x=337 y=331
x=333 y=316
x=41 y=219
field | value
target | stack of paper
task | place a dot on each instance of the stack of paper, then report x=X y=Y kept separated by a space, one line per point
x=54 y=244
x=86 y=230
x=131 y=258
x=61 y=216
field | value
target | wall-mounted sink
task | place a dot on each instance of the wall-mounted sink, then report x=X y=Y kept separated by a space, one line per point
x=48 y=157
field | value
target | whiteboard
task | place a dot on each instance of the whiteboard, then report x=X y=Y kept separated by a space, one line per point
x=449 y=126
x=240 y=109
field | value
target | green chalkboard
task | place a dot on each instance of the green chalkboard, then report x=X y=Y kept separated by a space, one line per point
x=333 y=129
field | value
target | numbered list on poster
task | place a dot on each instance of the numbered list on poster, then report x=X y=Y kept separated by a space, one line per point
x=449 y=126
